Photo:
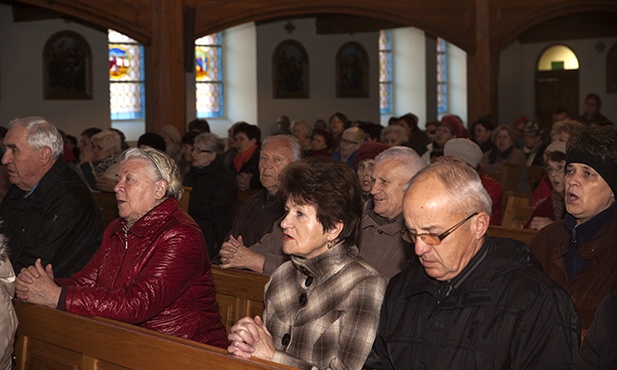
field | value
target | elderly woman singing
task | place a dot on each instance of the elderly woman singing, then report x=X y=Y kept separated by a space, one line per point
x=152 y=268
x=321 y=307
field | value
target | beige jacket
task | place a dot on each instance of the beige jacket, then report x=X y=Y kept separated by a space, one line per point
x=8 y=318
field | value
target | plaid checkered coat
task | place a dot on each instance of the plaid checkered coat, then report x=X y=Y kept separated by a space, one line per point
x=323 y=312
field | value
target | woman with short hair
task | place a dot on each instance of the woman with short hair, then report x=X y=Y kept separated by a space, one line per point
x=152 y=268
x=321 y=307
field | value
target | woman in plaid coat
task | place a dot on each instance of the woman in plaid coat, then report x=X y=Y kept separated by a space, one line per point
x=321 y=307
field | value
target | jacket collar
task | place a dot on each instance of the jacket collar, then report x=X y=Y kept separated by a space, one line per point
x=47 y=181
x=149 y=222
x=327 y=264
x=598 y=226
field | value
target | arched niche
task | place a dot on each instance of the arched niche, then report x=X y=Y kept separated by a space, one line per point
x=556 y=83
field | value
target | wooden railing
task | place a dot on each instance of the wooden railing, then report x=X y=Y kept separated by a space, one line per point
x=52 y=339
x=524 y=235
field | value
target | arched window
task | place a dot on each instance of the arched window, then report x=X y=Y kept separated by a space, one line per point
x=385 y=72
x=557 y=57
x=127 y=95
x=209 y=76
x=442 y=76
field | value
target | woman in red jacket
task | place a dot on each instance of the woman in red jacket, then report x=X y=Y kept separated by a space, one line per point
x=152 y=269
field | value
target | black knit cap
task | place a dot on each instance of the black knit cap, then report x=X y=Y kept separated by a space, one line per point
x=608 y=170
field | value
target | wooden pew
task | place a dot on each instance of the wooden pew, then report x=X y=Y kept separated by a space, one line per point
x=239 y=293
x=51 y=339
x=524 y=235
x=109 y=206
x=517 y=210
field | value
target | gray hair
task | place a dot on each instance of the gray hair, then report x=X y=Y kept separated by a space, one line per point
x=290 y=141
x=211 y=141
x=108 y=139
x=41 y=133
x=409 y=162
x=462 y=184
x=509 y=129
x=396 y=129
x=162 y=167
x=356 y=132
x=303 y=124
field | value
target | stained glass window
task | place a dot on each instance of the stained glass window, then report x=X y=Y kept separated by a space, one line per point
x=127 y=93
x=442 y=76
x=385 y=72
x=209 y=76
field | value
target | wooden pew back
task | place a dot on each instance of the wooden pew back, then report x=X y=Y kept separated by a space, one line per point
x=52 y=339
x=109 y=206
x=239 y=293
x=524 y=235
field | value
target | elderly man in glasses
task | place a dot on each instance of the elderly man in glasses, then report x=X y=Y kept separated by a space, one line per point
x=472 y=301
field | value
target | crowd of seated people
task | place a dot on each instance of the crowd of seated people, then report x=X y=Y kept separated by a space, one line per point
x=276 y=230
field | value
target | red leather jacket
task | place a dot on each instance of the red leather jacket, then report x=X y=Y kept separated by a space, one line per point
x=156 y=275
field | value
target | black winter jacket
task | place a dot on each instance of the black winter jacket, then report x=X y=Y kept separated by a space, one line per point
x=59 y=222
x=212 y=202
x=500 y=312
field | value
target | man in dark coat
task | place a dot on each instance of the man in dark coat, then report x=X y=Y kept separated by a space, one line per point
x=472 y=301
x=48 y=212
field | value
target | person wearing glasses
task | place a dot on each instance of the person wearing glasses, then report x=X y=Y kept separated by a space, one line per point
x=472 y=301
x=212 y=203
x=152 y=269
x=350 y=142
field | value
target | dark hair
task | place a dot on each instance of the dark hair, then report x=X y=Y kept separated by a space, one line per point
x=189 y=137
x=251 y=131
x=123 y=144
x=153 y=140
x=89 y=132
x=343 y=119
x=488 y=122
x=332 y=188
x=199 y=125
x=371 y=130
x=325 y=134
x=411 y=120
x=556 y=156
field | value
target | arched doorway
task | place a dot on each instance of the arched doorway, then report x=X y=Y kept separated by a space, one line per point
x=556 y=84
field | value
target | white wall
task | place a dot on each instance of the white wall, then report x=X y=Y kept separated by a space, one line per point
x=457 y=81
x=408 y=75
x=21 y=75
x=321 y=50
x=517 y=74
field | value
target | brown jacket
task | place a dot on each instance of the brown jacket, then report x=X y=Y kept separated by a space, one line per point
x=596 y=281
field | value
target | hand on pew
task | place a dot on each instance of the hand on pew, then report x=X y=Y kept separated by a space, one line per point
x=538 y=223
x=35 y=284
x=235 y=254
x=250 y=337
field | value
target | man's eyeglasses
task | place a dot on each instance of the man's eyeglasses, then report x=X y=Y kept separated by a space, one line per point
x=349 y=142
x=430 y=238
x=199 y=150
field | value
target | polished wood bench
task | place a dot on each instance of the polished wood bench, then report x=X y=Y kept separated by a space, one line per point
x=239 y=293
x=524 y=235
x=51 y=339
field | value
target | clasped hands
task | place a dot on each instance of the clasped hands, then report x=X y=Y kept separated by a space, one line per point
x=250 y=337
x=235 y=254
x=35 y=284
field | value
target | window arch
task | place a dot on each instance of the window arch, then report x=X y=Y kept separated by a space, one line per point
x=127 y=93
x=385 y=72
x=557 y=57
x=209 y=76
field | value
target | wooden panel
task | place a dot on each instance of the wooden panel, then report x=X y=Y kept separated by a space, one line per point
x=517 y=211
x=535 y=174
x=52 y=339
x=524 y=235
x=240 y=293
